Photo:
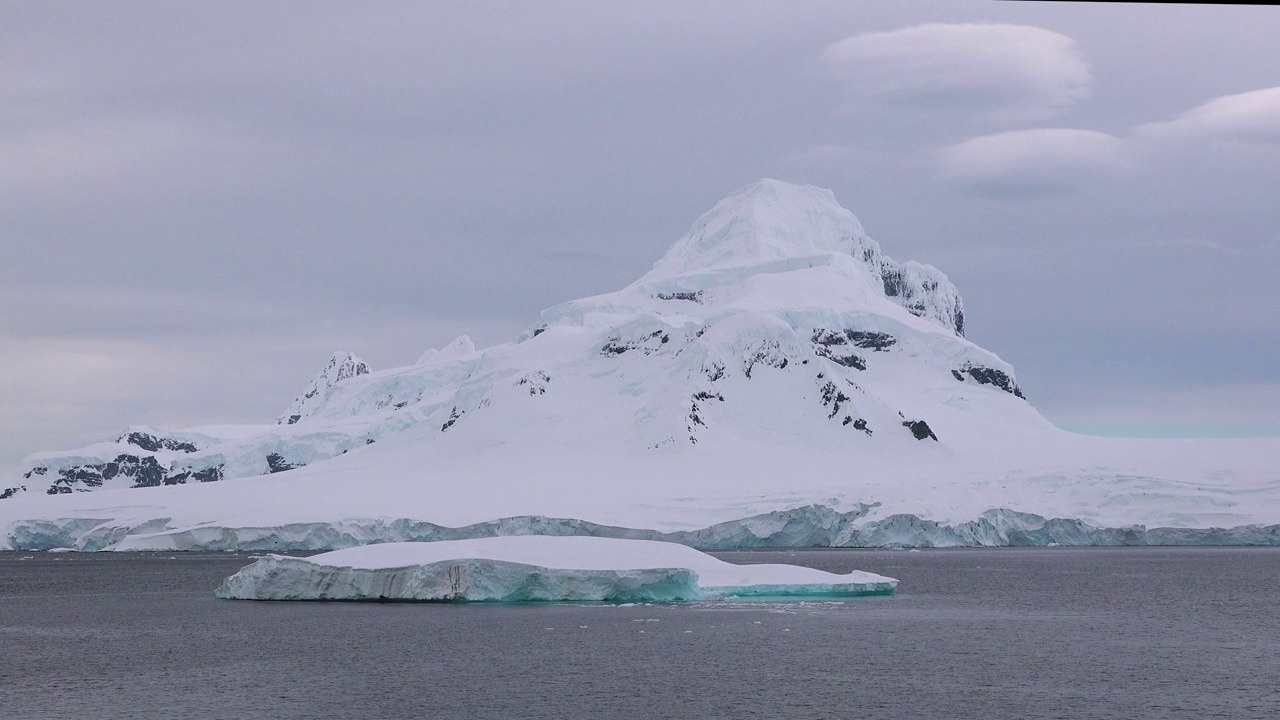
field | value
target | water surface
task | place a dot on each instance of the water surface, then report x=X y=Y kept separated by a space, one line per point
x=1013 y=633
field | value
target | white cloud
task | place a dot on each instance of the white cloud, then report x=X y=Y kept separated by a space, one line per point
x=1028 y=163
x=1250 y=117
x=1006 y=72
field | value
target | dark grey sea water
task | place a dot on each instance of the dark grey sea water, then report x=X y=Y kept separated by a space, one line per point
x=994 y=633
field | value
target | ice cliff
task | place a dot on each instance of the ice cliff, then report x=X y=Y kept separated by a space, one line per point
x=533 y=568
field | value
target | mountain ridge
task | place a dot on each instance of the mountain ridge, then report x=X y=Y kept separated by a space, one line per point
x=773 y=359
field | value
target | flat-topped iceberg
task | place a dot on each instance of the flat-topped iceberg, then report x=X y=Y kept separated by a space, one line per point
x=532 y=568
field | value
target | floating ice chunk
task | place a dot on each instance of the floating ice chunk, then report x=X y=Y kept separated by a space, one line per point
x=459 y=580
x=532 y=567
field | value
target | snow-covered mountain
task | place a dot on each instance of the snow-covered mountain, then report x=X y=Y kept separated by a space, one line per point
x=774 y=379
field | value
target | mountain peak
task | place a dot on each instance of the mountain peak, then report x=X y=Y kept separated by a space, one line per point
x=767 y=220
x=342 y=366
x=462 y=345
x=770 y=222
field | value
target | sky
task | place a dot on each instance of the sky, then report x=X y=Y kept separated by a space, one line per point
x=200 y=203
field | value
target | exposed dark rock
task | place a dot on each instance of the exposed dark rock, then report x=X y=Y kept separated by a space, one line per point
x=293 y=419
x=209 y=474
x=145 y=471
x=768 y=353
x=539 y=330
x=827 y=338
x=920 y=429
x=690 y=296
x=453 y=418
x=276 y=463
x=851 y=360
x=154 y=443
x=536 y=381
x=858 y=424
x=39 y=470
x=896 y=286
x=11 y=491
x=714 y=372
x=835 y=345
x=871 y=339
x=834 y=398
x=695 y=411
x=990 y=376
x=615 y=346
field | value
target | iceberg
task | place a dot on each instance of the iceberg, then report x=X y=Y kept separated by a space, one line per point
x=533 y=568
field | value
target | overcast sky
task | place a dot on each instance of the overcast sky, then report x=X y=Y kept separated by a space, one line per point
x=199 y=203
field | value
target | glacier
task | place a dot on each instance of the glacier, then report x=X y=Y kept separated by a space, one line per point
x=775 y=380
x=533 y=568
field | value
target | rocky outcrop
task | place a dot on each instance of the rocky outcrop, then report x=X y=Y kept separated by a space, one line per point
x=924 y=291
x=989 y=376
x=145 y=470
x=920 y=429
x=152 y=442
x=342 y=366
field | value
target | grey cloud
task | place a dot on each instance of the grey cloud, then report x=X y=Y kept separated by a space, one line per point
x=1245 y=117
x=1006 y=72
x=1032 y=163
x=217 y=197
x=1042 y=162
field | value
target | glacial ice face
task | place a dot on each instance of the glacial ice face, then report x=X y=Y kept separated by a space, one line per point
x=276 y=577
x=808 y=526
x=533 y=567
x=924 y=291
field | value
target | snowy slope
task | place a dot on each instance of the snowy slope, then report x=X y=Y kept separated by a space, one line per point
x=774 y=372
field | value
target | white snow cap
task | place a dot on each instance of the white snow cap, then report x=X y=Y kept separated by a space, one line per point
x=460 y=347
x=342 y=366
x=767 y=220
x=771 y=220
